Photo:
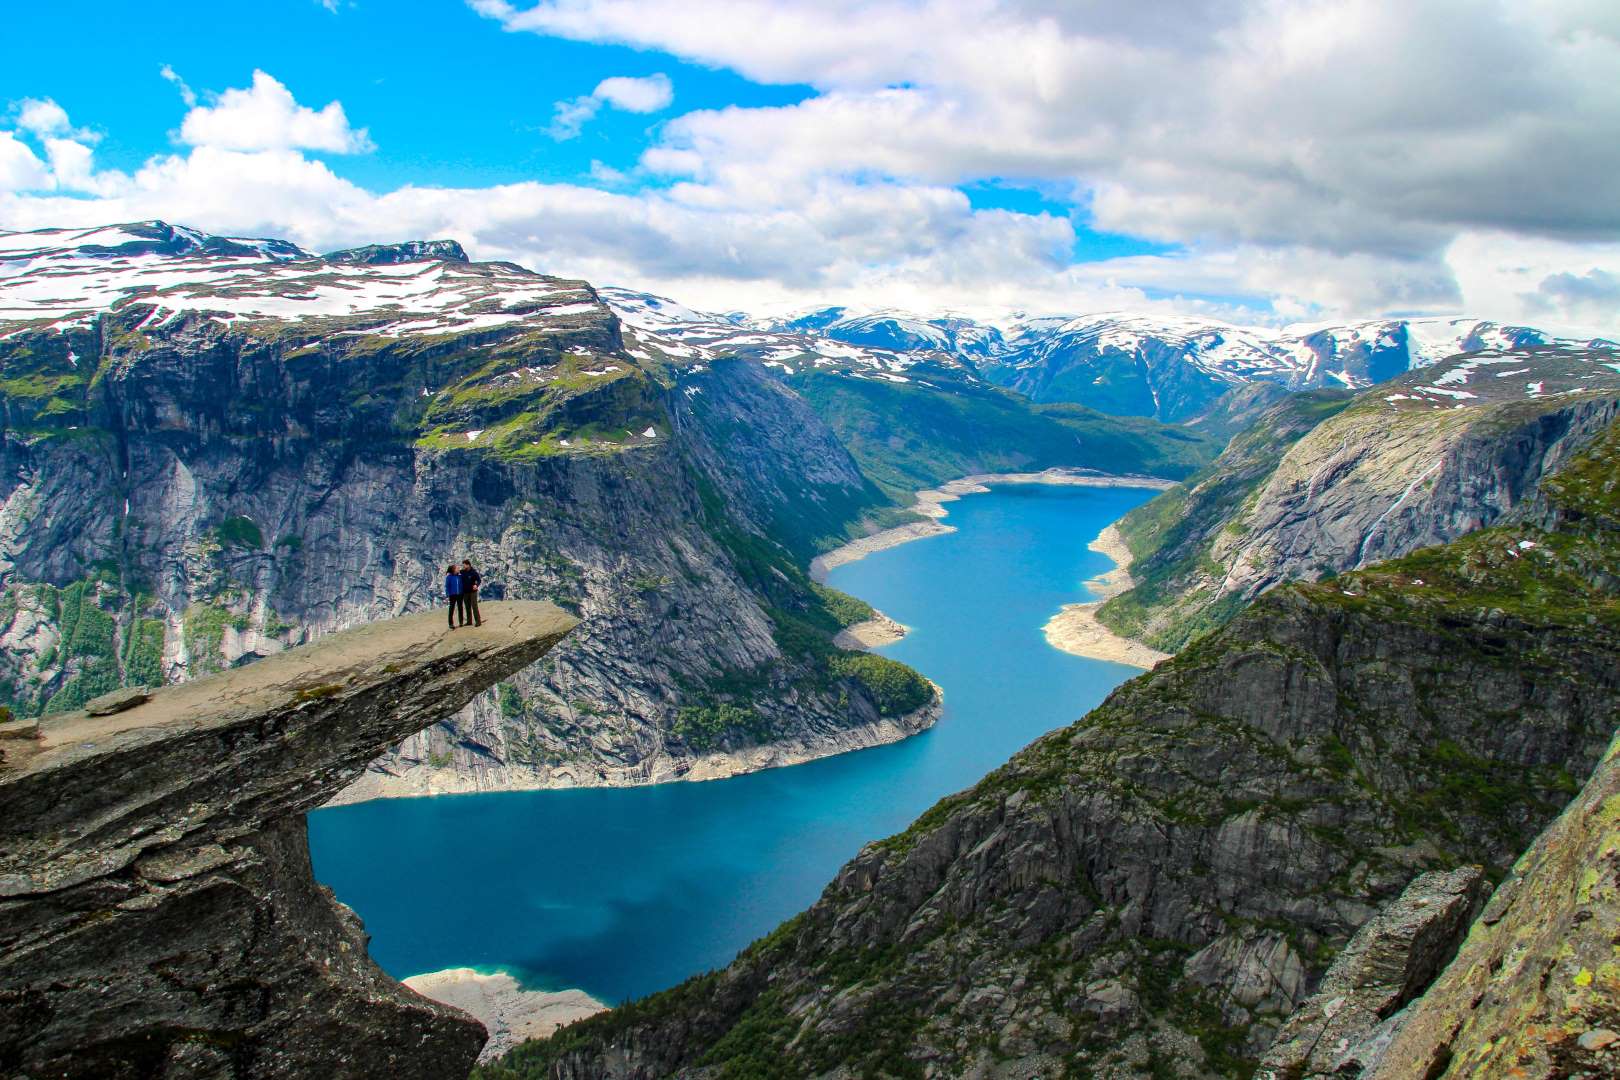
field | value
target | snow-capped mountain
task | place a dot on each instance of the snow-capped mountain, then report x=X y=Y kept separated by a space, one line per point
x=1166 y=366
x=1174 y=368
x=892 y=329
x=657 y=325
x=60 y=278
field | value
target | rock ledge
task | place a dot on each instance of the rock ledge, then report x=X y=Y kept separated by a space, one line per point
x=158 y=916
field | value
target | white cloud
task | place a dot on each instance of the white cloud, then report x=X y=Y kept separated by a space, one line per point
x=265 y=116
x=42 y=117
x=187 y=95
x=20 y=167
x=1360 y=138
x=1305 y=160
x=638 y=95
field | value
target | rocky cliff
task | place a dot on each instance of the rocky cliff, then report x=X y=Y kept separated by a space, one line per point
x=1320 y=485
x=1154 y=890
x=158 y=917
x=214 y=449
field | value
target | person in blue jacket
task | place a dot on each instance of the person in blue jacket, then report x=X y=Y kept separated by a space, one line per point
x=452 y=593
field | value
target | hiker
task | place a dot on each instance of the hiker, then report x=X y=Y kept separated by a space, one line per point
x=452 y=594
x=469 y=593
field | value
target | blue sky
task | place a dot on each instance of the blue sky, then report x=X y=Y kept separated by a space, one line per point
x=447 y=95
x=1256 y=161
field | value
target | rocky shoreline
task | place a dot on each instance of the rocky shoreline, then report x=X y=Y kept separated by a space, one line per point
x=657 y=769
x=1075 y=628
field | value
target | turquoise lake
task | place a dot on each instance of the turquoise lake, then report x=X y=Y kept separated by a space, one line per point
x=623 y=891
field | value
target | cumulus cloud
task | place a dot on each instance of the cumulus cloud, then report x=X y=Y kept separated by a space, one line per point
x=42 y=117
x=20 y=168
x=1302 y=160
x=265 y=116
x=646 y=94
x=1367 y=133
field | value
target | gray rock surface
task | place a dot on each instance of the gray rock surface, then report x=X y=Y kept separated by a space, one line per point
x=117 y=701
x=1156 y=889
x=158 y=917
x=1343 y=1028
x=198 y=493
x=1534 y=992
x=1319 y=488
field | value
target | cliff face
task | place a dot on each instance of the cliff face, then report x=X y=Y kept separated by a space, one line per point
x=1535 y=989
x=1319 y=487
x=211 y=471
x=158 y=917
x=1155 y=889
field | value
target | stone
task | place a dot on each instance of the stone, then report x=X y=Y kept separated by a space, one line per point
x=118 y=701
x=1541 y=970
x=158 y=916
x=1389 y=961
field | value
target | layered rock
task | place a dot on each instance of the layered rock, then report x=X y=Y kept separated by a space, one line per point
x=1157 y=888
x=273 y=445
x=158 y=917
x=1535 y=990
x=1319 y=487
x=1346 y=1026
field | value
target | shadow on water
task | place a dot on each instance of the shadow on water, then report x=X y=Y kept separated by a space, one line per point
x=625 y=891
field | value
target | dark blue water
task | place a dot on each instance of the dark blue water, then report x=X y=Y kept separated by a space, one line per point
x=624 y=891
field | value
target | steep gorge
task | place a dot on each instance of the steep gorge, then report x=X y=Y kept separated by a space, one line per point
x=1325 y=482
x=1156 y=888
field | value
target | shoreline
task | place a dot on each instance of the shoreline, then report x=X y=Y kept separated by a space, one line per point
x=931 y=504
x=1076 y=630
x=430 y=782
x=509 y=1013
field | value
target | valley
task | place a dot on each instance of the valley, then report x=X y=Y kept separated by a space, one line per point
x=1371 y=581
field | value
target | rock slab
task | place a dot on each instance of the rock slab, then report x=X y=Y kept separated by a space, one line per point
x=158 y=915
x=1342 y=1028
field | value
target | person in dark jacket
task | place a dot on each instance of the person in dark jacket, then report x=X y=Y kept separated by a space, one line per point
x=469 y=594
x=452 y=593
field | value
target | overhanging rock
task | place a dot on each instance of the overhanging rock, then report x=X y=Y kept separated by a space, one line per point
x=158 y=916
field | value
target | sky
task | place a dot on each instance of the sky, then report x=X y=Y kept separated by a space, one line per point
x=1263 y=161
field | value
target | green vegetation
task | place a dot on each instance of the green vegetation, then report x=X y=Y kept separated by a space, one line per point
x=239 y=532
x=41 y=390
x=203 y=630
x=908 y=436
x=87 y=646
x=521 y=406
x=509 y=700
x=143 y=652
x=702 y=727
x=1170 y=536
x=846 y=609
x=896 y=688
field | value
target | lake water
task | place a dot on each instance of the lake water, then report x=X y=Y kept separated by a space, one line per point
x=623 y=891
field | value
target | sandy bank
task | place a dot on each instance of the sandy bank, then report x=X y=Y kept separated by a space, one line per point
x=511 y=1013
x=874 y=633
x=1075 y=628
x=930 y=503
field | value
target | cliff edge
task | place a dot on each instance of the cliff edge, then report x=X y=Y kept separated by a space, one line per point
x=158 y=916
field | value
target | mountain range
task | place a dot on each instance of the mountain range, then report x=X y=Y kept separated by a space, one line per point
x=1389 y=577
x=1170 y=367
